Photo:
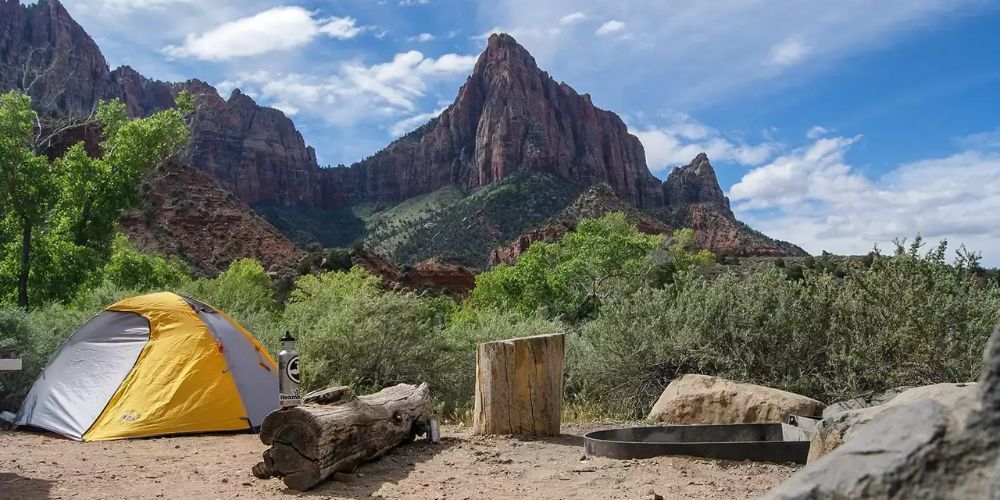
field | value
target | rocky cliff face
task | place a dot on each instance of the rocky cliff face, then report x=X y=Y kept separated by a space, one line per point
x=45 y=53
x=254 y=151
x=694 y=183
x=511 y=116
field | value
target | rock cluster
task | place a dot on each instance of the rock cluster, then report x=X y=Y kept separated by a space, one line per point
x=930 y=447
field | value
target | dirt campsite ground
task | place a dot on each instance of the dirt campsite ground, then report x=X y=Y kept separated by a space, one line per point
x=461 y=466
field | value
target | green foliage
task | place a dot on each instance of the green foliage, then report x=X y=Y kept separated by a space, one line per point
x=569 y=279
x=131 y=269
x=351 y=332
x=680 y=257
x=59 y=216
x=505 y=210
x=909 y=319
x=305 y=225
x=245 y=286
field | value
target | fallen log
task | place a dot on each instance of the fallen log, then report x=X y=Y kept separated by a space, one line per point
x=519 y=386
x=310 y=443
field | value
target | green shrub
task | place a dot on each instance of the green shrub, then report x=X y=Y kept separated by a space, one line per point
x=244 y=287
x=567 y=279
x=351 y=332
x=905 y=320
x=128 y=268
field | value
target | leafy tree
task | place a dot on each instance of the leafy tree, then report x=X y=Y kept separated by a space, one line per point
x=58 y=217
x=133 y=270
x=679 y=256
x=245 y=286
x=28 y=190
x=568 y=278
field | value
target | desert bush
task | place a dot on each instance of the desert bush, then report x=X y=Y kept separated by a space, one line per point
x=908 y=319
x=353 y=333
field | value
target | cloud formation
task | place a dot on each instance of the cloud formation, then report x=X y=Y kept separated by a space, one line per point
x=680 y=138
x=789 y=52
x=276 y=29
x=815 y=197
x=611 y=27
x=573 y=18
x=356 y=92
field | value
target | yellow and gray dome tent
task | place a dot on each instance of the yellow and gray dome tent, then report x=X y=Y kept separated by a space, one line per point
x=153 y=365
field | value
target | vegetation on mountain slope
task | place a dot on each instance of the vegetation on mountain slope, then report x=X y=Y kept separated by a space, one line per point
x=465 y=232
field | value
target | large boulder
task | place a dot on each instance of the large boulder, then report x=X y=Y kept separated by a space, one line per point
x=864 y=401
x=836 y=429
x=701 y=399
x=922 y=449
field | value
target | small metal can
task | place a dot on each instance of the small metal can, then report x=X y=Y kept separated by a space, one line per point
x=433 y=432
x=288 y=373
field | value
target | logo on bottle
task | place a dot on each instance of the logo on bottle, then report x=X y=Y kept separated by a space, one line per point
x=292 y=369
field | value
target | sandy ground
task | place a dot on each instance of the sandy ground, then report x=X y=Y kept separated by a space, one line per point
x=460 y=466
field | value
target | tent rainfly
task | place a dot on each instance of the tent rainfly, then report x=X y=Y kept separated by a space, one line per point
x=153 y=365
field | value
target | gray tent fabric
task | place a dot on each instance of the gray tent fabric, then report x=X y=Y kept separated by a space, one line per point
x=85 y=373
x=254 y=379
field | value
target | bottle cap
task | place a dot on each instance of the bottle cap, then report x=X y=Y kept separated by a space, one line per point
x=287 y=337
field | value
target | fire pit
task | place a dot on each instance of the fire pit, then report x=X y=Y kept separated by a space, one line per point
x=759 y=442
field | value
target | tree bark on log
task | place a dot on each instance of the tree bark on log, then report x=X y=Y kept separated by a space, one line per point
x=309 y=443
x=519 y=386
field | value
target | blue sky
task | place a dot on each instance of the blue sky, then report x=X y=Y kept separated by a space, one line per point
x=834 y=125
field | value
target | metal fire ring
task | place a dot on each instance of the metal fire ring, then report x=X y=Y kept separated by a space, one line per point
x=759 y=442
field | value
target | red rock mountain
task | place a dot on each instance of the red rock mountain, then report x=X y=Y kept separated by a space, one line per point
x=509 y=117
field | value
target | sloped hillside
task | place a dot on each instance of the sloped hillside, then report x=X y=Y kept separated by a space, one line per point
x=465 y=232
x=185 y=213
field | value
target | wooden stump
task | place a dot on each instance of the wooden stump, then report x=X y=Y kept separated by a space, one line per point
x=310 y=443
x=519 y=386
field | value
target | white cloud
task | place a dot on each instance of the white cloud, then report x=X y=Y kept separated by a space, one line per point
x=574 y=18
x=407 y=124
x=285 y=108
x=695 y=54
x=356 y=92
x=610 y=28
x=681 y=138
x=423 y=37
x=816 y=132
x=407 y=3
x=814 y=197
x=789 y=52
x=276 y=29
x=342 y=28
x=982 y=140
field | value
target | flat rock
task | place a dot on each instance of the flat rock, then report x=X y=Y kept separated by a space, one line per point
x=701 y=399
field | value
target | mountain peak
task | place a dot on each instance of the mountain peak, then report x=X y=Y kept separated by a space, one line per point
x=695 y=182
x=503 y=55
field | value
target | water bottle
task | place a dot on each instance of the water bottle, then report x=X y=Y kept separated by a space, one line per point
x=288 y=376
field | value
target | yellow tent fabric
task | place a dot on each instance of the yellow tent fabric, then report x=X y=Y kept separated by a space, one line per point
x=154 y=365
x=179 y=369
